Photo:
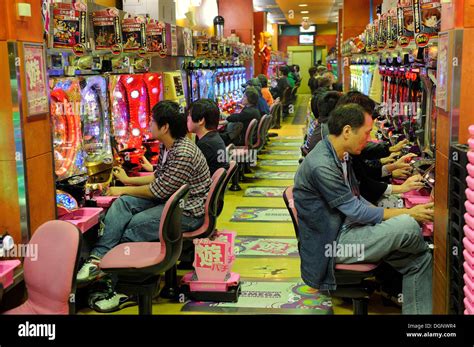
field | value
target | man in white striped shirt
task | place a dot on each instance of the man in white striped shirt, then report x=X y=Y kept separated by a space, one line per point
x=135 y=216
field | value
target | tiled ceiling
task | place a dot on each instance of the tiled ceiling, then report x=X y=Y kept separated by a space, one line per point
x=289 y=11
x=275 y=14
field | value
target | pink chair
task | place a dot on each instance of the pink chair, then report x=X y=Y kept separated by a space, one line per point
x=206 y=230
x=349 y=277
x=262 y=130
x=242 y=154
x=140 y=264
x=51 y=278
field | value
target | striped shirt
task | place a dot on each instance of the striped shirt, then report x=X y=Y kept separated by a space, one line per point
x=183 y=164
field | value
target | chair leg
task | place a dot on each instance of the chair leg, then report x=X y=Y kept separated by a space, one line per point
x=235 y=181
x=242 y=177
x=170 y=290
x=247 y=168
x=145 y=305
x=360 y=306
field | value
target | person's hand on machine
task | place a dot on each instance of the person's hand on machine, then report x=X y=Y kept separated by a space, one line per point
x=401 y=173
x=120 y=174
x=412 y=183
x=390 y=159
x=146 y=164
x=398 y=147
x=422 y=213
x=401 y=164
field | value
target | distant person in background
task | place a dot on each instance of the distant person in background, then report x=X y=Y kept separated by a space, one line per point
x=291 y=76
x=262 y=104
x=236 y=134
x=265 y=90
x=320 y=62
x=322 y=70
x=322 y=103
x=324 y=83
x=282 y=83
x=334 y=84
x=312 y=83
x=296 y=72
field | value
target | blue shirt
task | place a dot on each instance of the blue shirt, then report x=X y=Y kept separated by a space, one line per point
x=324 y=203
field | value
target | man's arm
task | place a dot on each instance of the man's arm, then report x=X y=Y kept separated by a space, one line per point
x=338 y=195
x=240 y=117
x=140 y=181
x=139 y=192
x=122 y=176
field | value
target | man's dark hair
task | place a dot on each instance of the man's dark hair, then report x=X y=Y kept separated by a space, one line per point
x=167 y=112
x=350 y=114
x=312 y=71
x=252 y=96
x=326 y=104
x=284 y=70
x=263 y=80
x=356 y=97
x=207 y=109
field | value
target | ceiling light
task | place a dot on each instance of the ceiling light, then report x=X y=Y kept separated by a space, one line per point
x=303 y=5
x=304 y=12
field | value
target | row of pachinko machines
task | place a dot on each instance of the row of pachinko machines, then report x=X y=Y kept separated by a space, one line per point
x=100 y=122
x=224 y=85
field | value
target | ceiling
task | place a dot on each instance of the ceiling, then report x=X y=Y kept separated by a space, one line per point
x=289 y=11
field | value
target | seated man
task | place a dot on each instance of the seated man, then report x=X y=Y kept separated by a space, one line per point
x=282 y=84
x=331 y=212
x=321 y=105
x=203 y=119
x=135 y=216
x=262 y=104
x=265 y=90
x=237 y=124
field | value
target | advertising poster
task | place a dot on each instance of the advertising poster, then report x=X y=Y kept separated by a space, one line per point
x=36 y=84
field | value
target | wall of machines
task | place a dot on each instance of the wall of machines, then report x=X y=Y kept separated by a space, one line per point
x=107 y=69
x=396 y=62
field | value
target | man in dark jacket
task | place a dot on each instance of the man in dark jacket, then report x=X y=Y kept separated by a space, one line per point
x=235 y=133
x=338 y=226
x=282 y=83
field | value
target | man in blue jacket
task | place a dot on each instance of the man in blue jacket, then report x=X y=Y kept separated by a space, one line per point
x=334 y=219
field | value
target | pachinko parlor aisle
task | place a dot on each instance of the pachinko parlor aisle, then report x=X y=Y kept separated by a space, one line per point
x=215 y=159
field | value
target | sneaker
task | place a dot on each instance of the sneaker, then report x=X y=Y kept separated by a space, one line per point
x=113 y=302
x=89 y=271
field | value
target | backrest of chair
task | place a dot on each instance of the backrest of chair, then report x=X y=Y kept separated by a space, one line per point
x=210 y=208
x=261 y=131
x=249 y=134
x=268 y=125
x=171 y=236
x=286 y=95
x=275 y=112
x=50 y=267
x=293 y=91
x=290 y=205
x=230 y=172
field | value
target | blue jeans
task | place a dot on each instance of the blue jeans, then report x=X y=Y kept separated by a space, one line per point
x=132 y=219
x=398 y=242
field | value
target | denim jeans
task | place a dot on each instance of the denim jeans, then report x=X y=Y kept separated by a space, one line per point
x=397 y=241
x=132 y=219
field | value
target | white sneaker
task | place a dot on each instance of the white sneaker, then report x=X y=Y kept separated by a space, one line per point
x=113 y=303
x=89 y=271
